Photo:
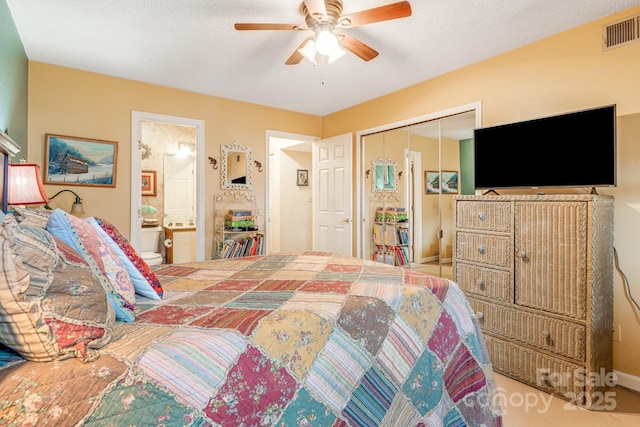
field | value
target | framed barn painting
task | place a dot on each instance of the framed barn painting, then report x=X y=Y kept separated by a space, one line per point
x=449 y=182
x=431 y=182
x=71 y=160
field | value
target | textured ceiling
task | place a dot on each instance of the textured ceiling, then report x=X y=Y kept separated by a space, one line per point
x=192 y=45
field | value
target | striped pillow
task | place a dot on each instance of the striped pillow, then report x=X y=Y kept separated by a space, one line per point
x=51 y=306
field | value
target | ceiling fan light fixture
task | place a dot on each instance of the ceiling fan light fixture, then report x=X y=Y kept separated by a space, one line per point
x=323 y=50
x=326 y=43
x=336 y=53
x=309 y=51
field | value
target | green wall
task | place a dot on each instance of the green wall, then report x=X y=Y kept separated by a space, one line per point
x=13 y=81
x=467 y=185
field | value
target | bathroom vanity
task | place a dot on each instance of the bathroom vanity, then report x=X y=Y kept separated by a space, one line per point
x=180 y=243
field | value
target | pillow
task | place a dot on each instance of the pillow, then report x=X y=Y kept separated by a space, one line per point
x=51 y=308
x=144 y=279
x=32 y=217
x=104 y=264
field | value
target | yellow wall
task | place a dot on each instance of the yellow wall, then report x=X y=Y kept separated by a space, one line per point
x=66 y=101
x=563 y=73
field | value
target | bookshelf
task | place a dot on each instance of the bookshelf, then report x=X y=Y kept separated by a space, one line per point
x=390 y=236
x=237 y=232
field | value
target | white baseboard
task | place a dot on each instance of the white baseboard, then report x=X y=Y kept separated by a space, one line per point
x=627 y=380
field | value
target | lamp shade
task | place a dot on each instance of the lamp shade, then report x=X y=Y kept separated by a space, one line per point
x=25 y=186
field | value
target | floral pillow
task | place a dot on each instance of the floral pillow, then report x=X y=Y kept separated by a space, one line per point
x=51 y=307
x=104 y=263
x=144 y=279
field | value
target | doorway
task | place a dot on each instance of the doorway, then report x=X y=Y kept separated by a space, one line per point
x=289 y=205
x=145 y=148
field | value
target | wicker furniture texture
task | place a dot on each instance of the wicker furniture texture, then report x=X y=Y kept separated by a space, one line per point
x=538 y=273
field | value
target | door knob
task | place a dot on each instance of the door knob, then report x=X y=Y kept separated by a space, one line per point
x=346 y=220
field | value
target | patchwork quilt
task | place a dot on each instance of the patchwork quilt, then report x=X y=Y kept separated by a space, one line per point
x=301 y=339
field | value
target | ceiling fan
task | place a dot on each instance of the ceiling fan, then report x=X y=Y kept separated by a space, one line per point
x=330 y=40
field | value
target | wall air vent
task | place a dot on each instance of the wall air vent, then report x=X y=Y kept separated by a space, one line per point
x=621 y=33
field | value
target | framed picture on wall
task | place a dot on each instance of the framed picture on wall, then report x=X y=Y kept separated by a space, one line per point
x=431 y=182
x=71 y=160
x=303 y=177
x=149 y=184
x=449 y=182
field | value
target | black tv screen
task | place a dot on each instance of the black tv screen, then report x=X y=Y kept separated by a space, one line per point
x=576 y=149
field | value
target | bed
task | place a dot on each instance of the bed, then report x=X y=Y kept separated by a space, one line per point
x=291 y=339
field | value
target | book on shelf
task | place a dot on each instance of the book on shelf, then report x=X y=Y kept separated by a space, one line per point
x=403 y=236
x=243 y=223
x=393 y=214
x=236 y=212
x=379 y=215
x=402 y=253
x=377 y=235
x=238 y=229
x=248 y=246
x=239 y=218
x=390 y=235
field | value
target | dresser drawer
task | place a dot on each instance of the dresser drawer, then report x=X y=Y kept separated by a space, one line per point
x=544 y=372
x=490 y=216
x=483 y=281
x=484 y=248
x=557 y=336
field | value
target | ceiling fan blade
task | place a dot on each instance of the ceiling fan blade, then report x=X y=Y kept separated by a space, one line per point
x=401 y=9
x=356 y=47
x=296 y=57
x=316 y=8
x=244 y=26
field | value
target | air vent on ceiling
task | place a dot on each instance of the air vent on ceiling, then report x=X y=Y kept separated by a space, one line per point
x=621 y=33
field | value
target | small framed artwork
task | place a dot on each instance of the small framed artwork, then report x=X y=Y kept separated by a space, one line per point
x=149 y=184
x=449 y=182
x=303 y=178
x=431 y=182
x=71 y=160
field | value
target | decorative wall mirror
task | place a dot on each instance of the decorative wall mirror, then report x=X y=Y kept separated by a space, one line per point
x=384 y=175
x=235 y=170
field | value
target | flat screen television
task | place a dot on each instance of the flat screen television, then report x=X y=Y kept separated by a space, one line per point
x=576 y=149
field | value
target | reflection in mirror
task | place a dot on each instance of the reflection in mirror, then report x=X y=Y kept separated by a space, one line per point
x=443 y=147
x=235 y=170
x=384 y=175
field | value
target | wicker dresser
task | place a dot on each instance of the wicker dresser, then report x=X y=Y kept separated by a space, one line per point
x=538 y=272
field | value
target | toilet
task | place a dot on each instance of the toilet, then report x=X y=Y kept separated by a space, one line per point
x=150 y=240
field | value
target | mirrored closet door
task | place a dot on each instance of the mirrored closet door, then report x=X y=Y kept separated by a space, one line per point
x=410 y=175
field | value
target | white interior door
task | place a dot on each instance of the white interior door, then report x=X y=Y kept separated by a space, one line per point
x=179 y=187
x=332 y=195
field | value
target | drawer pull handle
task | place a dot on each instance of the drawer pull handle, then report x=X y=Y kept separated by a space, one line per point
x=482 y=250
x=546 y=335
x=482 y=216
x=480 y=315
x=480 y=283
x=523 y=255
